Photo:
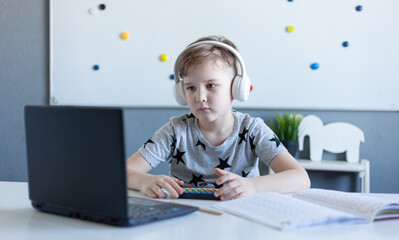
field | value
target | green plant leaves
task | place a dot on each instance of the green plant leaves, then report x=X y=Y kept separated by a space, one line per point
x=286 y=126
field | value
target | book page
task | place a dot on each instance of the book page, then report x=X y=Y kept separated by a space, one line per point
x=284 y=212
x=360 y=205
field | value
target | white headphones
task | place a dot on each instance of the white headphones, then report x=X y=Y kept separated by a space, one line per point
x=241 y=82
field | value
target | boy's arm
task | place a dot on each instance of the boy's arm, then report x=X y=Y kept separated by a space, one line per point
x=151 y=185
x=137 y=168
x=289 y=176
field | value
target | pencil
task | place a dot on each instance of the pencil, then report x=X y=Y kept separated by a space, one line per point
x=204 y=210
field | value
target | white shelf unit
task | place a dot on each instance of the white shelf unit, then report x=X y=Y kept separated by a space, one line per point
x=362 y=169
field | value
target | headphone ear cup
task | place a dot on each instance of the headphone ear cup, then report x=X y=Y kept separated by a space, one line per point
x=179 y=94
x=241 y=88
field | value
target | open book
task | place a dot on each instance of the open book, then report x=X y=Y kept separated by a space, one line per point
x=310 y=207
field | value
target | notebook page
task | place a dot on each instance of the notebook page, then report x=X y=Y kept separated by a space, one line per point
x=359 y=205
x=283 y=212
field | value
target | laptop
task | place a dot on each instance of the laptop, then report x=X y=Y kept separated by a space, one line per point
x=76 y=167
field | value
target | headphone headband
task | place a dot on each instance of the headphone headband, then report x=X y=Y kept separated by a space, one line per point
x=240 y=71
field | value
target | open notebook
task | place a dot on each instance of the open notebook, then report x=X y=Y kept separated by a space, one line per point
x=310 y=207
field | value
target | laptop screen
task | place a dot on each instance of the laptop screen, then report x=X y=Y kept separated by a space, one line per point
x=76 y=158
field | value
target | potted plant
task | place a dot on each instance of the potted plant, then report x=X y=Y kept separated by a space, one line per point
x=285 y=126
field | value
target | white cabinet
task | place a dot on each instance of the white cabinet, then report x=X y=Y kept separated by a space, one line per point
x=362 y=169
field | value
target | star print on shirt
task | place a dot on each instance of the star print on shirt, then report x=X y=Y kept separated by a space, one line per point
x=245 y=174
x=199 y=143
x=179 y=157
x=275 y=139
x=223 y=163
x=189 y=116
x=242 y=135
x=148 y=141
x=196 y=180
x=173 y=145
x=251 y=142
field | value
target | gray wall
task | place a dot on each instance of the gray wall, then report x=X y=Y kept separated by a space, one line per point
x=24 y=80
x=23 y=77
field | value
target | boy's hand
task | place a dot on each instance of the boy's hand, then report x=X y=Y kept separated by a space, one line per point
x=155 y=183
x=236 y=187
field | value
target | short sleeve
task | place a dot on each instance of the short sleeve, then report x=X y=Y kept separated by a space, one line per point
x=160 y=146
x=268 y=145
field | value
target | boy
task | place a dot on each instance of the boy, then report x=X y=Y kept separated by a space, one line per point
x=214 y=146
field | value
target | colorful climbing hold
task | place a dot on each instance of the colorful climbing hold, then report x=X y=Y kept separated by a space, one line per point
x=164 y=57
x=290 y=29
x=314 y=66
x=125 y=35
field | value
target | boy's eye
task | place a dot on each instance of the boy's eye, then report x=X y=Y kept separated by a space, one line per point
x=211 y=85
x=190 y=88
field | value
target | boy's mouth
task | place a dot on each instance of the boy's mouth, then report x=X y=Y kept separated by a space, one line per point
x=203 y=109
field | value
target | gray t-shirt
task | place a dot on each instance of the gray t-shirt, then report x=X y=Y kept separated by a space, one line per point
x=192 y=159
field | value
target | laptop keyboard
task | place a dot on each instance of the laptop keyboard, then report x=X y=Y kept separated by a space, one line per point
x=143 y=208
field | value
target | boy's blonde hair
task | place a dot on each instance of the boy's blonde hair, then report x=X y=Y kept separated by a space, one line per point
x=193 y=56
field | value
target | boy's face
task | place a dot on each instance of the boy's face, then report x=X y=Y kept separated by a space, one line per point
x=208 y=90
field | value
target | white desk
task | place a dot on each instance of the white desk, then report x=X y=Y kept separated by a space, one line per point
x=18 y=220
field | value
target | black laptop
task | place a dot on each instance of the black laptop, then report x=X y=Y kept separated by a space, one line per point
x=76 y=167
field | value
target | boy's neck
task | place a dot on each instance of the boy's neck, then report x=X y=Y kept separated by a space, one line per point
x=218 y=131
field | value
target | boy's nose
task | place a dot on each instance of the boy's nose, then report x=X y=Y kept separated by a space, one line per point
x=201 y=96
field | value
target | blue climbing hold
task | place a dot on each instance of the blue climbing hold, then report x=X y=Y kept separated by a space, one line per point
x=314 y=66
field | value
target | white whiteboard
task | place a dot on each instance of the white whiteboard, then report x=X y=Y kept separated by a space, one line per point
x=362 y=76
